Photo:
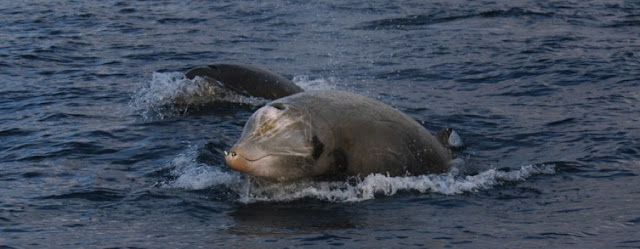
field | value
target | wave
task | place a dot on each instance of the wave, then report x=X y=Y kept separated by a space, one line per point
x=189 y=174
x=430 y=19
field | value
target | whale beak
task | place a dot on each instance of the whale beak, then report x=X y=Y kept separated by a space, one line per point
x=236 y=162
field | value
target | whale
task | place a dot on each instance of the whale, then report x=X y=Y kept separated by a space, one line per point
x=318 y=134
x=248 y=80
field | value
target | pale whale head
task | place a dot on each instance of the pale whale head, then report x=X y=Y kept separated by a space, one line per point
x=280 y=143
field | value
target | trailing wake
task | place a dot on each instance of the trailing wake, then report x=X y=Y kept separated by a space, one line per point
x=187 y=173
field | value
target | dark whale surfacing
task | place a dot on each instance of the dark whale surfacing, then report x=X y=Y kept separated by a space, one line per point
x=247 y=80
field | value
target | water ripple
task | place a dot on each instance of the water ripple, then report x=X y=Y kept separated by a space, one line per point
x=430 y=19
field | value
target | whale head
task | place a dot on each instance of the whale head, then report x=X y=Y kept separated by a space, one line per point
x=279 y=143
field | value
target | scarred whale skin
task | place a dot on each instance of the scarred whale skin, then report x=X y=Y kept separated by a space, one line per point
x=319 y=133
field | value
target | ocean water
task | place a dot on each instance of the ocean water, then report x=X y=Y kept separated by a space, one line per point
x=545 y=95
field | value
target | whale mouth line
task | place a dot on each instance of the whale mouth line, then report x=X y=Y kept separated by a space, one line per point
x=256 y=159
x=265 y=154
x=248 y=159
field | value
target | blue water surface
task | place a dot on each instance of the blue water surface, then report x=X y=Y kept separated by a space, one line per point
x=545 y=95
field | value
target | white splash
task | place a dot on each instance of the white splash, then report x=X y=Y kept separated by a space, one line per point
x=171 y=94
x=455 y=141
x=193 y=175
x=374 y=185
x=314 y=84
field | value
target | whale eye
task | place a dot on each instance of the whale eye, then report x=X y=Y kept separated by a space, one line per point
x=318 y=147
x=279 y=106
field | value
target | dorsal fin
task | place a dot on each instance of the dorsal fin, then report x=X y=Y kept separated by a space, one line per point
x=450 y=138
x=443 y=136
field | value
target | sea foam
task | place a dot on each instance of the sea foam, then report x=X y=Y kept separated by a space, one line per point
x=189 y=174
